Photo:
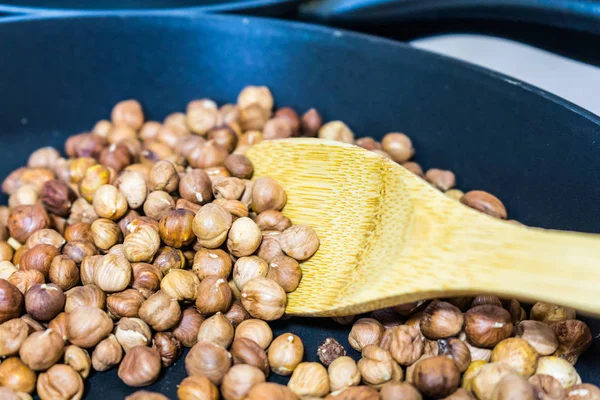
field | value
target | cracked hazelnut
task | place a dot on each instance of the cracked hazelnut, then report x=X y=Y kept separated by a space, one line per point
x=211 y=225
x=17 y=376
x=216 y=329
x=57 y=197
x=39 y=258
x=212 y=262
x=484 y=202
x=87 y=326
x=539 y=336
x=197 y=387
x=140 y=366
x=267 y=194
x=343 y=372
x=168 y=347
x=209 y=360
x=441 y=320
x=246 y=351
x=574 y=338
x=377 y=367
x=41 y=350
x=487 y=378
x=125 y=303
x=239 y=380
x=487 y=325
x=78 y=359
x=457 y=350
x=107 y=354
x=85 y=296
x=285 y=353
x=11 y=301
x=547 y=388
x=237 y=313
x=63 y=272
x=186 y=331
x=132 y=332
x=263 y=298
x=60 y=382
x=43 y=302
x=256 y=330
x=309 y=379
x=160 y=311
x=247 y=268
x=365 y=331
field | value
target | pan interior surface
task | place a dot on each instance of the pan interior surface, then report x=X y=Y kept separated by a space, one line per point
x=539 y=154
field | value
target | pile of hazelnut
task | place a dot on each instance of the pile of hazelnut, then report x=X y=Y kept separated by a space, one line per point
x=151 y=237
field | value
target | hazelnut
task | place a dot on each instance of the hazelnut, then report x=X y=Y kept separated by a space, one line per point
x=277 y=128
x=6 y=253
x=82 y=211
x=343 y=372
x=584 y=391
x=146 y=395
x=12 y=335
x=457 y=350
x=13 y=181
x=574 y=338
x=286 y=272
x=256 y=330
x=85 y=296
x=223 y=136
x=181 y=284
x=214 y=295
x=247 y=196
x=146 y=278
x=513 y=386
x=436 y=376
x=120 y=153
x=183 y=204
x=57 y=197
x=264 y=299
x=377 y=367
x=79 y=231
x=239 y=380
x=209 y=360
x=487 y=378
x=197 y=387
x=141 y=244
x=128 y=112
x=398 y=146
x=87 y=326
x=93 y=178
x=39 y=258
x=79 y=250
x=186 y=331
x=24 y=280
x=105 y=233
x=405 y=344
x=107 y=354
x=109 y=202
x=60 y=382
x=270 y=247
x=311 y=123
x=133 y=185
x=517 y=313
x=260 y=95
x=41 y=350
x=24 y=221
x=160 y=311
x=208 y=154
x=559 y=369
x=212 y=262
x=237 y=313
x=196 y=187
x=11 y=301
x=43 y=302
x=299 y=242
x=25 y=195
x=44 y=157
x=63 y=272
x=547 y=388
x=17 y=376
x=432 y=347
x=368 y=143
x=239 y=166
x=201 y=116
x=168 y=258
x=272 y=220
x=309 y=379
x=285 y=353
x=34 y=326
x=246 y=351
x=399 y=390
x=7 y=269
x=387 y=317
x=102 y=127
x=539 y=336
x=113 y=273
x=455 y=194
x=516 y=353
x=365 y=331
x=461 y=394
x=125 y=303
x=168 y=347
x=487 y=325
x=163 y=176
x=441 y=179
x=175 y=228
x=216 y=329
x=228 y=188
x=267 y=194
x=484 y=202
x=140 y=366
x=441 y=320
x=336 y=130
x=486 y=300
x=211 y=225
x=78 y=359
x=270 y=391
x=247 y=268
x=158 y=204
x=132 y=332
x=59 y=325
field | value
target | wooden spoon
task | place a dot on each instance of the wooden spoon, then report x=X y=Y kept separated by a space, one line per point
x=388 y=237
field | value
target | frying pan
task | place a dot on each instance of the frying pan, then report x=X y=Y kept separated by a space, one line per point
x=538 y=153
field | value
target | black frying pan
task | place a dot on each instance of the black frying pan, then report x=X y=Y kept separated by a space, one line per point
x=538 y=153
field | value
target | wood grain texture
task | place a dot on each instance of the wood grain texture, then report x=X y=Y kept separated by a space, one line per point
x=388 y=237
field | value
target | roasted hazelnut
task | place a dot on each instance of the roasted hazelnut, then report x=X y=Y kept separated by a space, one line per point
x=57 y=197
x=146 y=395
x=256 y=330
x=163 y=176
x=186 y=331
x=82 y=212
x=60 y=382
x=175 y=228
x=239 y=380
x=343 y=372
x=299 y=242
x=113 y=274
x=141 y=244
x=109 y=202
x=168 y=346
x=311 y=123
x=486 y=300
x=85 y=296
x=12 y=335
x=80 y=231
x=87 y=326
x=270 y=247
x=78 y=250
x=309 y=379
x=365 y=331
x=24 y=221
x=78 y=359
x=399 y=390
x=7 y=269
x=237 y=313
x=197 y=387
x=94 y=177
x=214 y=295
x=329 y=351
x=457 y=350
x=39 y=258
x=285 y=353
x=34 y=326
x=6 y=252
x=196 y=187
x=24 y=280
x=441 y=179
x=43 y=302
x=25 y=195
x=44 y=157
x=63 y=272
x=132 y=332
x=267 y=194
x=140 y=366
x=560 y=369
x=209 y=154
x=405 y=344
x=547 y=388
x=264 y=299
x=247 y=268
x=168 y=258
x=387 y=317
x=128 y=112
x=246 y=351
x=107 y=354
x=14 y=374
x=584 y=391
x=146 y=278
x=484 y=202
x=487 y=325
x=539 y=336
x=441 y=320
x=181 y=284
x=59 y=325
x=398 y=146
x=208 y=359
x=41 y=350
x=183 y=204
x=11 y=301
x=201 y=116
x=133 y=185
x=239 y=166
x=260 y=95
x=105 y=233
x=125 y=303
x=272 y=220
x=160 y=311
x=513 y=386
x=436 y=376
x=487 y=378
x=377 y=366
x=574 y=338
x=217 y=329
x=212 y=262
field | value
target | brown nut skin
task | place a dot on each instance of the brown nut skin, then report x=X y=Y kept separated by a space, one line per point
x=583 y=391
x=146 y=395
x=487 y=325
x=516 y=353
x=57 y=197
x=539 y=335
x=256 y=330
x=486 y=379
x=78 y=250
x=60 y=382
x=365 y=331
x=109 y=202
x=128 y=112
x=264 y=299
x=216 y=329
x=186 y=331
x=168 y=258
x=398 y=146
x=113 y=273
x=140 y=366
x=299 y=242
x=17 y=376
x=377 y=367
x=12 y=335
x=574 y=338
x=105 y=233
x=41 y=350
x=405 y=344
x=239 y=166
x=175 y=228
x=79 y=231
x=550 y=313
x=272 y=220
x=107 y=354
x=330 y=350
x=310 y=123
x=146 y=278
x=168 y=346
x=457 y=350
x=11 y=301
x=160 y=311
x=461 y=394
x=78 y=359
x=212 y=262
x=441 y=179
x=547 y=387
x=163 y=176
x=286 y=272
x=63 y=272
x=85 y=296
x=46 y=236
x=6 y=252
x=125 y=304
x=59 y=325
x=209 y=360
x=368 y=143
x=441 y=320
x=237 y=313
x=436 y=376
x=484 y=202
x=43 y=302
x=196 y=187
x=285 y=353
x=141 y=244
x=309 y=379
x=39 y=257
x=181 y=284
x=214 y=295
x=211 y=225
x=239 y=380
x=270 y=391
x=513 y=387
x=343 y=372
x=87 y=326
x=246 y=351
x=132 y=332
x=24 y=221
x=399 y=390
x=209 y=154
x=197 y=387
x=247 y=268
x=267 y=194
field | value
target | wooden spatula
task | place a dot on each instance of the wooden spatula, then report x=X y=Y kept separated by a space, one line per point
x=388 y=237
